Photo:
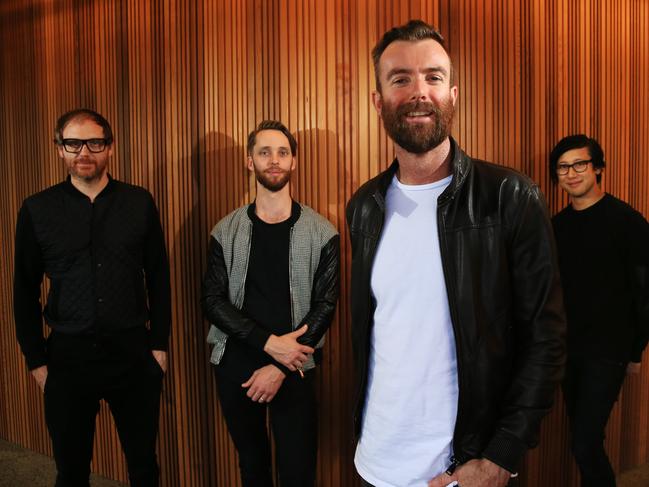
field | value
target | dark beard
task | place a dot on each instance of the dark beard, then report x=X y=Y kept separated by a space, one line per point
x=270 y=184
x=418 y=138
x=87 y=176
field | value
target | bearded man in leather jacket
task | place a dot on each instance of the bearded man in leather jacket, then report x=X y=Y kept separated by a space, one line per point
x=457 y=316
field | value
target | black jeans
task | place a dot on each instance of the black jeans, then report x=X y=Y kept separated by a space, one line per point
x=78 y=378
x=293 y=418
x=590 y=389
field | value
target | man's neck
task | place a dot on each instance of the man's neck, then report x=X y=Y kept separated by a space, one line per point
x=416 y=169
x=273 y=207
x=582 y=202
x=91 y=188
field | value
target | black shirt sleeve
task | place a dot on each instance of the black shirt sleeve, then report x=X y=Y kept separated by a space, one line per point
x=638 y=255
x=156 y=271
x=28 y=276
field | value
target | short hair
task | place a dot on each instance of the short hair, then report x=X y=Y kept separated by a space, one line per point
x=271 y=125
x=577 y=141
x=82 y=114
x=414 y=30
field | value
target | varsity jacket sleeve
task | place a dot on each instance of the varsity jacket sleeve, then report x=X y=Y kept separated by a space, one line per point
x=28 y=276
x=324 y=294
x=156 y=272
x=217 y=307
x=538 y=332
x=639 y=269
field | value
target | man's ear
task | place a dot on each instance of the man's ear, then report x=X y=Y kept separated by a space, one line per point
x=454 y=93
x=377 y=101
x=250 y=164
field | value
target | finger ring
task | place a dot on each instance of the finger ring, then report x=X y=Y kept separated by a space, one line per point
x=261 y=399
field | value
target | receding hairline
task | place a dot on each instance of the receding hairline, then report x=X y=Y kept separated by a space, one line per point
x=449 y=72
x=79 y=118
x=285 y=146
x=273 y=130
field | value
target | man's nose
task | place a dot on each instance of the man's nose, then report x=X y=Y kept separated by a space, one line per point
x=419 y=89
x=84 y=149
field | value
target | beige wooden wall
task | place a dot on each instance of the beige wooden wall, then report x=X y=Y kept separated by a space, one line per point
x=183 y=82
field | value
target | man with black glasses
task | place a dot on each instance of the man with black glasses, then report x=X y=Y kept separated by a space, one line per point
x=100 y=243
x=602 y=244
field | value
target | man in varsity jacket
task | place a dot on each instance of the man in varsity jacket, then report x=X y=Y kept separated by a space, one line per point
x=269 y=292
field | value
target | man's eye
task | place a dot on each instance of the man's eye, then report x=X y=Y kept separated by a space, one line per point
x=75 y=143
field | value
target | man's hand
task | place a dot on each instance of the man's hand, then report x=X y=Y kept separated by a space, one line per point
x=40 y=374
x=474 y=473
x=264 y=383
x=287 y=351
x=161 y=358
x=633 y=368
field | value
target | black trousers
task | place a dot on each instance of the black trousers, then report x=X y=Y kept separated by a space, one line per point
x=590 y=389
x=76 y=382
x=293 y=418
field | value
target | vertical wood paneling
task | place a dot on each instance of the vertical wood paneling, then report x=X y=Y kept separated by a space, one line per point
x=184 y=82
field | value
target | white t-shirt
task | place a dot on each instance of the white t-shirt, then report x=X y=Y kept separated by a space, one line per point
x=412 y=388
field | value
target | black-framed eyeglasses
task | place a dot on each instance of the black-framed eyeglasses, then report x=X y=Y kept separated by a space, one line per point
x=75 y=146
x=578 y=166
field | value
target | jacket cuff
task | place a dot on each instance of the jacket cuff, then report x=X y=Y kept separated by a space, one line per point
x=36 y=359
x=258 y=337
x=159 y=342
x=636 y=354
x=282 y=368
x=506 y=451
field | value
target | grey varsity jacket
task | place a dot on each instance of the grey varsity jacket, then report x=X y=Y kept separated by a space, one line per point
x=313 y=278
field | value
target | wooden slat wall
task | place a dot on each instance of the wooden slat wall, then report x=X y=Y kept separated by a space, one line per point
x=183 y=82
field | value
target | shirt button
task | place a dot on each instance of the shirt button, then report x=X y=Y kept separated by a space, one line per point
x=100 y=300
x=98 y=265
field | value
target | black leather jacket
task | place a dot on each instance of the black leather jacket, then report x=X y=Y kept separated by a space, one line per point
x=499 y=261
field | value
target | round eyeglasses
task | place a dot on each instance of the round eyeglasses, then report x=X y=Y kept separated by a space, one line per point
x=578 y=166
x=75 y=146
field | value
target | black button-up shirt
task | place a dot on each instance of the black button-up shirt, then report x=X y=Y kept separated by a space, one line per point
x=104 y=259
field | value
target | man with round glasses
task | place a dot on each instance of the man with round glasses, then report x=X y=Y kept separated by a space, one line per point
x=100 y=243
x=602 y=245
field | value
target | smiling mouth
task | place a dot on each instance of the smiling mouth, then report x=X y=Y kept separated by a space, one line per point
x=418 y=116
